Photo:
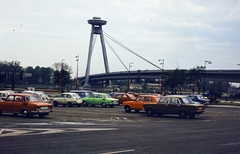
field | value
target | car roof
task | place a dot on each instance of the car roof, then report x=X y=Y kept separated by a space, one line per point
x=176 y=96
x=68 y=93
x=22 y=94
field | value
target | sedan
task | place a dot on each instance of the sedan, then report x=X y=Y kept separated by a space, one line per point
x=102 y=99
x=137 y=105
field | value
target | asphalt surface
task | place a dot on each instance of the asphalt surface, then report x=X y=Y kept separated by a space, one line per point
x=96 y=130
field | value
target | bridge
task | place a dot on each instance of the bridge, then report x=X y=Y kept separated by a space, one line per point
x=210 y=75
x=138 y=75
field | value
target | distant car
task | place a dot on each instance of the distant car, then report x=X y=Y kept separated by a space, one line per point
x=102 y=99
x=122 y=97
x=137 y=105
x=175 y=104
x=198 y=98
x=5 y=93
x=25 y=104
x=82 y=93
x=44 y=96
x=68 y=99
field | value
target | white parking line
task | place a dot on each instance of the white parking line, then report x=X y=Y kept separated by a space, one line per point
x=115 y=152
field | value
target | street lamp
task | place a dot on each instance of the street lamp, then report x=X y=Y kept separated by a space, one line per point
x=162 y=63
x=130 y=65
x=62 y=75
x=206 y=62
x=77 y=59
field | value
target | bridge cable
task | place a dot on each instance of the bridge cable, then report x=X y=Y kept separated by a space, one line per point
x=116 y=54
x=126 y=48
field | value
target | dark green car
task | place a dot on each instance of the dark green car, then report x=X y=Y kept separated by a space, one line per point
x=102 y=99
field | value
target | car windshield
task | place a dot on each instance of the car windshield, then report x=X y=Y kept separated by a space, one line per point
x=33 y=98
x=76 y=95
x=107 y=96
x=200 y=97
x=131 y=95
x=187 y=100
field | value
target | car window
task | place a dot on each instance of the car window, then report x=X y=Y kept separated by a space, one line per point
x=147 y=99
x=118 y=96
x=69 y=96
x=163 y=101
x=33 y=98
x=139 y=99
x=100 y=96
x=10 y=98
x=124 y=96
x=18 y=98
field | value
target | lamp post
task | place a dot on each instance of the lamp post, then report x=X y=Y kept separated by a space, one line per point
x=62 y=75
x=77 y=59
x=162 y=63
x=206 y=62
x=130 y=65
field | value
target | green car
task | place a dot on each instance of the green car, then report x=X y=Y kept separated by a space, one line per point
x=102 y=99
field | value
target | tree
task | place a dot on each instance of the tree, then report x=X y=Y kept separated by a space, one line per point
x=61 y=74
x=194 y=78
x=174 y=79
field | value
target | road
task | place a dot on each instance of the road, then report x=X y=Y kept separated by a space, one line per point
x=96 y=130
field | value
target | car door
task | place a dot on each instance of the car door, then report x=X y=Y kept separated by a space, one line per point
x=173 y=105
x=91 y=99
x=138 y=103
x=17 y=104
x=6 y=104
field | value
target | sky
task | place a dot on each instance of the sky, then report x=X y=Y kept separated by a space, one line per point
x=185 y=33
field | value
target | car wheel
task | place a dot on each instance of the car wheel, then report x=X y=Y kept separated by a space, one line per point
x=25 y=114
x=55 y=103
x=150 y=112
x=192 y=115
x=85 y=103
x=69 y=104
x=41 y=115
x=79 y=105
x=104 y=104
x=182 y=114
x=127 y=109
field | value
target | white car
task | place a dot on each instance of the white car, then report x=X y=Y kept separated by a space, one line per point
x=68 y=99
x=5 y=93
x=44 y=96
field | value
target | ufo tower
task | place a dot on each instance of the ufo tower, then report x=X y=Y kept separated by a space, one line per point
x=97 y=24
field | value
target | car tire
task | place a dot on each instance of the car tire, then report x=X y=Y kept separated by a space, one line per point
x=104 y=104
x=127 y=109
x=150 y=112
x=25 y=114
x=70 y=104
x=85 y=103
x=182 y=114
x=55 y=103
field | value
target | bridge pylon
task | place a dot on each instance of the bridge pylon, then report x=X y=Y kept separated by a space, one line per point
x=97 y=24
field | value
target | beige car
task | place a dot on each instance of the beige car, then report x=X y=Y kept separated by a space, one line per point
x=68 y=99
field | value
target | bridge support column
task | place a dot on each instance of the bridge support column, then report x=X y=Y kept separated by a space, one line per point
x=97 y=24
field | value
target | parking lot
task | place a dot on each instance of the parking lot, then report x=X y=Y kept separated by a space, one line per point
x=112 y=130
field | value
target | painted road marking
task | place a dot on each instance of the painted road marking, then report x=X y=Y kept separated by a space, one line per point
x=41 y=131
x=122 y=151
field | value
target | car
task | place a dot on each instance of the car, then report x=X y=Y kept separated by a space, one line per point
x=122 y=97
x=175 y=104
x=67 y=98
x=5 y=93
x=25 y=104
x=137 y=105
x=102 y=99
x=44 y=96
x=82 y=93
x=198 y=98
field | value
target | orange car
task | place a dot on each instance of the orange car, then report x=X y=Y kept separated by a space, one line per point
x=137 y=105
x=122 y=97
x=25 y=104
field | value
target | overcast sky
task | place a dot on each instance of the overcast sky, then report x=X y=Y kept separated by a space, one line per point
x=184 y=33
